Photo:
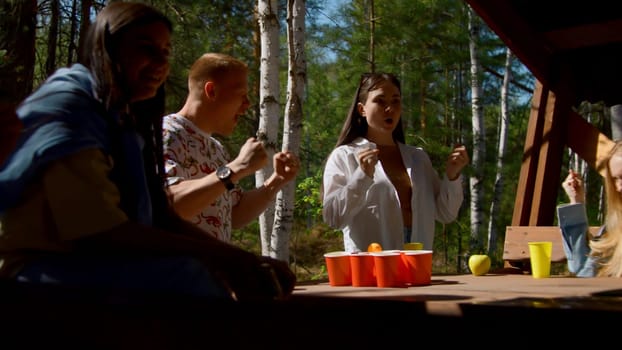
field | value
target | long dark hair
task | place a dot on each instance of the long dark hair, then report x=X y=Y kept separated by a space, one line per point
x=100 y=52
x=100 y=55
x=355 y=124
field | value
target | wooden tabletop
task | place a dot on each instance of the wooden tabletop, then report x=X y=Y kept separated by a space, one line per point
x=498 y=311
x=448 y=294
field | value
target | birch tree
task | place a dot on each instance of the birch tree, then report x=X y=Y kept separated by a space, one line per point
x=73 y=31
x=479 y=145
x=504 y=123
x=269 y=90
x=50 y=64
x=292 y=125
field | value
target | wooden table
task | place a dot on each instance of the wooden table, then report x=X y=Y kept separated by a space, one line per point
x=494 y=311
x=449 y=295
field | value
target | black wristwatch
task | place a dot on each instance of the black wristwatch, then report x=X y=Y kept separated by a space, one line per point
x=224 y=174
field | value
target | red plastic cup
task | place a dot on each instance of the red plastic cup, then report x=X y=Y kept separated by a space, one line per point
x=408 y=267
x=338 y=266
x=387 y=266
x=416 y=267
x=362 y=265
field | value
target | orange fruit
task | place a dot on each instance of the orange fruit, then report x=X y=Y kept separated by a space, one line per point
x=374 y=247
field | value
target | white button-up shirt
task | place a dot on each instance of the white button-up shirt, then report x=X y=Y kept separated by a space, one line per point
x=368 y=210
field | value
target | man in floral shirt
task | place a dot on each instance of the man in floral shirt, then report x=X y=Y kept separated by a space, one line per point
x=202 y=178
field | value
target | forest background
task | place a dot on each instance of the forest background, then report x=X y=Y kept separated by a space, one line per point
x=460 y=84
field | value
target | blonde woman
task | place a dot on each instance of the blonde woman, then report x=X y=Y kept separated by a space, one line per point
x=600 y=255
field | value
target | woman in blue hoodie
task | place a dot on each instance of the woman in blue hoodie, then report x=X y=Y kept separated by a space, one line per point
x=83 y=199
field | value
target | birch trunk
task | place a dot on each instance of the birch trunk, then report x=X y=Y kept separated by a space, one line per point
x=50 y=62
x=269 y=90
x=72 y=53
x=292 y=126
x=504 y=122
x=477 y=121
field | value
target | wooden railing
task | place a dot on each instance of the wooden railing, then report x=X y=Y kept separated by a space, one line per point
x=516 y=249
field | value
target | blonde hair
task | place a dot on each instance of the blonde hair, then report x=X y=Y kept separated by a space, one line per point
x=608 y=249
x=212 y=66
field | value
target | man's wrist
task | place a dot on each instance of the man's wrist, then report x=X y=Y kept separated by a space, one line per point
x=225 y=174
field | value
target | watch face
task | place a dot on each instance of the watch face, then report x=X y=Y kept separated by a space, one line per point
x=223 y=172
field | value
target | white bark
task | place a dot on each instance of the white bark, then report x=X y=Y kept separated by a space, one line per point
x=477 y=121
x=292 y=125
x=504 y=123
x=269 y=90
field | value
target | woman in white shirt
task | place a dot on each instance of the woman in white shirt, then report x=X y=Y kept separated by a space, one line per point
x=378 y=189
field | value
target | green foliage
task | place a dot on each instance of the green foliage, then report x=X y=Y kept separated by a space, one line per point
x=425 y=43
x=308 y=198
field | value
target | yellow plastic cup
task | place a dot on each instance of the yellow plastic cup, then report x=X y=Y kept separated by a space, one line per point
x=540 y=257
x=413 y=246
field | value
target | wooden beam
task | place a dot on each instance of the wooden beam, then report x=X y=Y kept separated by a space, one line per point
x=548 y=170
x=589 y=35
x=528 y=45
x=529 y=166
x=588 y=142
x=538 y=184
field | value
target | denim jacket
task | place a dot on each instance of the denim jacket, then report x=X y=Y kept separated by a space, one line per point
x=574 y=227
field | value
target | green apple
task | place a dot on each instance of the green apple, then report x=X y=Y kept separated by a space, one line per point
x=479 y=264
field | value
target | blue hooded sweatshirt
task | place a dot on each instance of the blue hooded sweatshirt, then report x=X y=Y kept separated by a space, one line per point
x=61 y=118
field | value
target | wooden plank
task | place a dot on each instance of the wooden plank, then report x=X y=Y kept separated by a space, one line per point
x=531 y=152
x=515 y=246
x=549 y=163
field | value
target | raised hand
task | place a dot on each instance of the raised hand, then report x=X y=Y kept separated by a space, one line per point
x=368 y=158
x=286 y=165
x=458 y=159
x=573 y=186
x=251 y=158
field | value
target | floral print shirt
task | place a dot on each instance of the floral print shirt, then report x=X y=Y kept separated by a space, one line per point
x=190 y=153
